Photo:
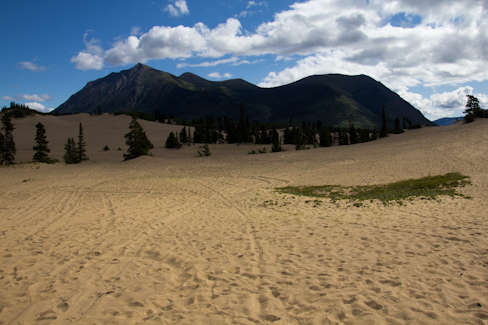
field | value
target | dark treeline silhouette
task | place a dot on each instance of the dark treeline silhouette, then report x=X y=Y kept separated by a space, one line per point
x=16 y=110
x=227 y=130
x=7 y=144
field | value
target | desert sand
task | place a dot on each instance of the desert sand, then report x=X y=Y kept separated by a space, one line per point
x=179 y=239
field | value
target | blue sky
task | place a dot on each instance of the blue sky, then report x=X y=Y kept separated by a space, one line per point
x=432 y=53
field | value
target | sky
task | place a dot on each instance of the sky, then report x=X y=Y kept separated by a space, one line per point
x=431 y=52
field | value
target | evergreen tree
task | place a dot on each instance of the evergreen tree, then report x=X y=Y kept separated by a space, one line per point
x=70 y=152
x=41 y=148
x=325 y=139
x=2 y=148
x=473 y=109
x=343 y=137
x=353 y=135
x=243 y=126
x=298 y=137
x=172 y=141
x=288 y=136
x=397 y=124
x=7 y=146
x=81 y=151
x=275 y=141
x=137 y=141
x=183 y=135
x=364 y=135
x=384 y=125
x=264 y=136
x=374 y=133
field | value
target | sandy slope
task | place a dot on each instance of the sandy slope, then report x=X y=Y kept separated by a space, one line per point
x=179 y=239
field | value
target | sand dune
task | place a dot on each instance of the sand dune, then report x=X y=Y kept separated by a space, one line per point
x=176 y=239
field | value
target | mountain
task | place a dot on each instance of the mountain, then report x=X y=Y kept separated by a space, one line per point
x=448 y=120
x=333 y=99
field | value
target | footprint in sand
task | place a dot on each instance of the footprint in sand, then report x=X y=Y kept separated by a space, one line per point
x=47 y=315
x=63 y=306
x=373 y=304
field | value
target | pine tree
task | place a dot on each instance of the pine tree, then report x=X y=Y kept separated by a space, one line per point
x=137 y=141
x=473 y=109
x=275 y=141
x=374 y=134
x=183 y=135
x=353 y=135
x=2 y=148
x=384 y=125
x=41 y=148
x=70 y=152
x=397 y=124
x=7 y=146
x=172 y=141
x=325 y=139
x=243 y=125
x=81 y=151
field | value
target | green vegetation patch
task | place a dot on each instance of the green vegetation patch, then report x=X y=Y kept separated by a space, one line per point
x=429 y=187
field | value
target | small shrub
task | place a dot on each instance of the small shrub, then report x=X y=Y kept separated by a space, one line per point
x=205 y=152
x=106 y=148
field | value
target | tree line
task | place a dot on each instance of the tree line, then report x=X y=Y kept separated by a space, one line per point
x=208 y=130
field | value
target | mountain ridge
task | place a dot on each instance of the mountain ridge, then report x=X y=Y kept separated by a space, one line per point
x=333 y=99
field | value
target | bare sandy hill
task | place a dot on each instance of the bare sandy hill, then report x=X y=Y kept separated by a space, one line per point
x=176 y=239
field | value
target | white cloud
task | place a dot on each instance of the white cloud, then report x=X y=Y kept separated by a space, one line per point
x=30 y=66
x=92 y=57
x=135 y=31
x=179 y=8
x=216 y=75
x=34 y=97
x=37 y=98
x=87 y=61
x=38 y=107
x=159 y=43
x=254 y=3
x=233 y=61
x=443 y=104
x=455 y=100
x=448 y=45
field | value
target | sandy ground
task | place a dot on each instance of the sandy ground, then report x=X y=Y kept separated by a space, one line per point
x=176 y=239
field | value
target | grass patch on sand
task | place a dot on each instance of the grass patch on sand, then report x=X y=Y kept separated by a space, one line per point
x=429 y=187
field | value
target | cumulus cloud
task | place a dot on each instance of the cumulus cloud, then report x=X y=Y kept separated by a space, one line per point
x=34 y=97
x=179 y=8
x=38 y=107
x=443 y=104
x=37 y=98
x=438 y=43
x=216 y=75
x=254 y=3
x=30 y=66
x=135 y=31
x=92 y=57
x=454 y=100
x=233 y=61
